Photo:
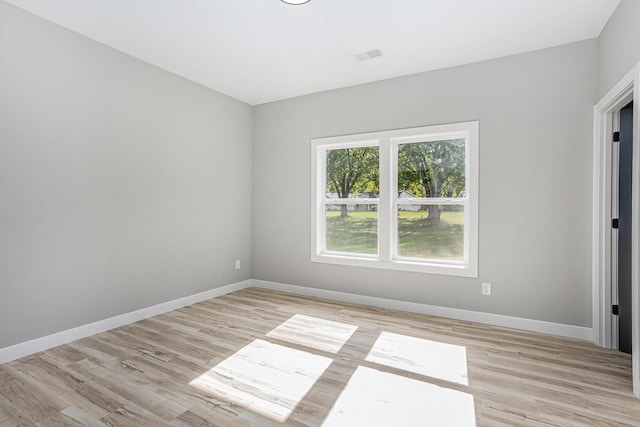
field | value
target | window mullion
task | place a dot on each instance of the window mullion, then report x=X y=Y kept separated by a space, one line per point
x=386 y=201
x=321 y=212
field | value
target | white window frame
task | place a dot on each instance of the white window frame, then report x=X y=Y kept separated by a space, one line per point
x=388 y=142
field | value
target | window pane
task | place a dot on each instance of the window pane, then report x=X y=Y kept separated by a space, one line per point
x=352 y=228
x=431 y=169
x=431 y=232
x=353 y=172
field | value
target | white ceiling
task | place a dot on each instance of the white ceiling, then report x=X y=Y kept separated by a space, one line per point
x=264 y=50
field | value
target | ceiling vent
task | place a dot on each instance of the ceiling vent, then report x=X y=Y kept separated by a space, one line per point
x=369 y=54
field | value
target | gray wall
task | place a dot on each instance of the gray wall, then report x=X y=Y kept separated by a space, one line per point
x=619 y=45
x=535 y=112
x=121 y=185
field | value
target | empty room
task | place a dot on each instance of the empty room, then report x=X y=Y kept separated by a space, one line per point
x=319 y=213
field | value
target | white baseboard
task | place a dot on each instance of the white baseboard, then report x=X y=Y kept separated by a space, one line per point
x=559 y=329
x=17 y=351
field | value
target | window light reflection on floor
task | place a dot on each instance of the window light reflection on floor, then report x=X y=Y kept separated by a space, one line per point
x=321 y=334
x=373 y=398
x=431 y=358
x=266 y=378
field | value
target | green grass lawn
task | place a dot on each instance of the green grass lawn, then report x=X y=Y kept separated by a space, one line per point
x=357 y=233
x=418 y=237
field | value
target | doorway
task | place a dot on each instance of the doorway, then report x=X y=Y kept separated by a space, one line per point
x=606 y=293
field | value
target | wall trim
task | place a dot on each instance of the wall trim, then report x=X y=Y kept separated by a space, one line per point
x=569 y=331
x=27 y=348
x=37 y=345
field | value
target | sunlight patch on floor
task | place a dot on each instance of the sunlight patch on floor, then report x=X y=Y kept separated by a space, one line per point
x=266 y=378
x=431 y=358
x=374 y=398
x=321 y=334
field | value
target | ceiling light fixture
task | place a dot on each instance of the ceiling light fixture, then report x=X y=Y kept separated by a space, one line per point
x=295 y=2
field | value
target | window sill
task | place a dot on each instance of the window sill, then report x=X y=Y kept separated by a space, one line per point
x=447 y=269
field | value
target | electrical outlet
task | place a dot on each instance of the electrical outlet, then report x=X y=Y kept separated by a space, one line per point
x=237 y=264
x=486 y=289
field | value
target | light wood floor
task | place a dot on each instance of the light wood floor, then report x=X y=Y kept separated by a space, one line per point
x=258 y=357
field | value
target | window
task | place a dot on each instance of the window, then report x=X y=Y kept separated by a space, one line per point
x=403 y=199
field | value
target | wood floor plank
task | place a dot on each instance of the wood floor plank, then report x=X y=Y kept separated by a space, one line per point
x=152 y=372
x=8 y=420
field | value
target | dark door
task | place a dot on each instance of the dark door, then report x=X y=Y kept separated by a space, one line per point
x=624 y=231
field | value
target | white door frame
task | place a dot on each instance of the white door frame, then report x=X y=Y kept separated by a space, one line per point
x=627 y=89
